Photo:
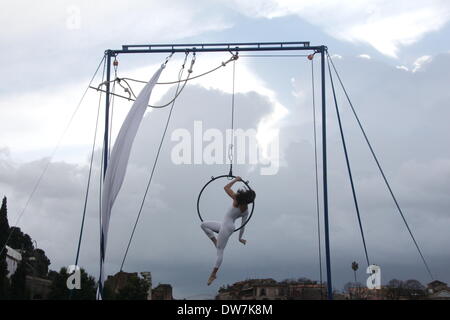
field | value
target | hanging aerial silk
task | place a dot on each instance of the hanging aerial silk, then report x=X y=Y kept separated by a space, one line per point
x=117 y=166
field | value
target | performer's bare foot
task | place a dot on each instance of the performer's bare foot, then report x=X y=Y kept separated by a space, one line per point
x=213 y=275
x=211 y=279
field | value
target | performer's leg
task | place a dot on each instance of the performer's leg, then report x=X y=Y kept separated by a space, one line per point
x=209 y=227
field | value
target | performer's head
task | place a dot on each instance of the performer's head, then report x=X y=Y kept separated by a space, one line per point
x=245 y=196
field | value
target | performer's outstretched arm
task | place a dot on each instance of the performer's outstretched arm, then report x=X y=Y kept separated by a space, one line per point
x=228 y=189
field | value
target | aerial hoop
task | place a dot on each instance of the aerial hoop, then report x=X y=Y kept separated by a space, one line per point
x=246 y=185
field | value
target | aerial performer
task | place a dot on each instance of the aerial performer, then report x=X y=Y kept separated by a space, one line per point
x=225 y=229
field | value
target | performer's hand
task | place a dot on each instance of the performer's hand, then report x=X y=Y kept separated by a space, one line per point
x=243 y=241
x=238 y=179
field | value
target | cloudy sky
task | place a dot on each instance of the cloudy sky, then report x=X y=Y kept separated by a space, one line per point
x=392 y=55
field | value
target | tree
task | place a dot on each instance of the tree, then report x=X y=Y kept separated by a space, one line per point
x=18 y=283
x=34 y=261
x=40 y=263
x=394 y=289
x=20 y=241
x=355 y=267
x=4 y=231
x=59 y=290
x=135 y=288
x=414 y=289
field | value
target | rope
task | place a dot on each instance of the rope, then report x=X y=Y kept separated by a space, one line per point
x=129 y=90
x=316 y=175
x=272 y=55
x=223 y=64
x=380 y=169
x=38 y=182
x=180 y=74
x=347 y=160
x=230 y=150
x=150 y=106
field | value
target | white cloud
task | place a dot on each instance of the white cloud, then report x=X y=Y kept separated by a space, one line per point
x=402 y=68
x=364 y=56
x=418 y=64
x=33 y=113
x=143 y=21
x=385 y=25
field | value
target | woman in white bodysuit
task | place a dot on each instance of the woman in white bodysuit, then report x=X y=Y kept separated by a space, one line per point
x=225 y=229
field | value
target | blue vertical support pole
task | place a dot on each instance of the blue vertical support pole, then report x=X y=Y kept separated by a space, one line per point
x=107 y=103
x=325 y=177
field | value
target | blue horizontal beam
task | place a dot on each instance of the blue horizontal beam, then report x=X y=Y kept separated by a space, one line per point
x=216 y=47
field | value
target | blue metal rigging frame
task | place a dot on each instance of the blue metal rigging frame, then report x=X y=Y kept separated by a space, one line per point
x=235 y=47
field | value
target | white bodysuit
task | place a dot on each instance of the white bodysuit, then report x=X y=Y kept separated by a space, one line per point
x=224 y=230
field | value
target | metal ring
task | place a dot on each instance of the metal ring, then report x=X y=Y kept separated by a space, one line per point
x=246 y=183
